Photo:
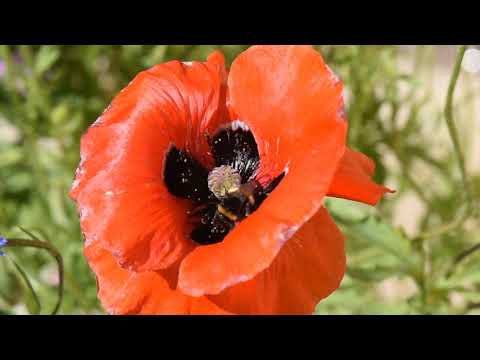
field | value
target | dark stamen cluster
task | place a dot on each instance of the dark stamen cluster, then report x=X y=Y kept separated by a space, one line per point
x=233 y=146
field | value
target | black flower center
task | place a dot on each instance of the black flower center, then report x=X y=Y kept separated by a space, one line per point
x=226 y=194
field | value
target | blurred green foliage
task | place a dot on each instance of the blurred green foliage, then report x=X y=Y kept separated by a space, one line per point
x=49 y=95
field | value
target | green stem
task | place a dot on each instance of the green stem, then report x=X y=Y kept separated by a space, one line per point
x=459 y=258
x=10 y=76
x=452 y=129
x=56 y=255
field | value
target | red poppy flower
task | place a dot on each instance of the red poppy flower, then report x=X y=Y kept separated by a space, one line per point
x=201 y=191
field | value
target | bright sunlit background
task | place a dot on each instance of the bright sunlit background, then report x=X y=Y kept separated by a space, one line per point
x=412 y=254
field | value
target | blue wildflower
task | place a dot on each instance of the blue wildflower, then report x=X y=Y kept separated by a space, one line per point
x=3 y=242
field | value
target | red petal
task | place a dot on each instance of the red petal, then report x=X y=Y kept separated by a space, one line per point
x=125 y=292
x=290 y=99
x=309 y=267
x=353 y=179
x=119 y=187
x=292 y=103
x=218 y=59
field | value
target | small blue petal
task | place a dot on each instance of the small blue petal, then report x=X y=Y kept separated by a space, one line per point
x=3 y=241
x=2 y=253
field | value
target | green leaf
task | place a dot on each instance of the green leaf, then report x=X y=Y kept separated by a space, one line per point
x=371 y=274
x=45 y=59
x=375 y=231
x=347 y=211
x=34 y=307
x=10 y=157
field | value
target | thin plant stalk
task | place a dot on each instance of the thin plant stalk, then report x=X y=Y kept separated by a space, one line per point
x=453 y=132
x=56 y=255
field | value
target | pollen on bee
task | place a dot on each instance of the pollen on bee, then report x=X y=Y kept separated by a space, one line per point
x=223 y=180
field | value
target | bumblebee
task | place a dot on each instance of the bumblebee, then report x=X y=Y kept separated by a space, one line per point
x=224 y=195
x=217 y=218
